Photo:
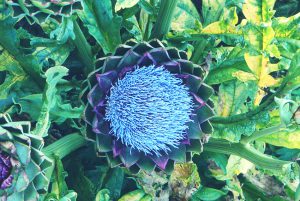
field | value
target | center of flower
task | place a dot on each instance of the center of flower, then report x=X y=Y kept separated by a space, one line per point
x=5 y=171
x=149 y=110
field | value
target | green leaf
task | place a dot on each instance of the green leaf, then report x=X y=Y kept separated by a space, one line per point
x=226 y=70
x=79 y=182
x=64 y=31
x=226 y=25
x=32 y=104
x=10 y=41
x=102 y=24
x=185 y=16
x=50 y=49
x=233 y=131
x=59 y=186
x=237 y=165
x=53 y=76
x=122 y=4
x=207 y=194
x=136 y=195
x=287 y=27
x=289 y=138
x=13 y=70
x=212 y=10
x=232 y=96
x=287 y=108
x=103 y=195
x=132 y=25
x=257 y=11
x=114 y=182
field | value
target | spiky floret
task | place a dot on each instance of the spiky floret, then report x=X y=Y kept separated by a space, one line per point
x=149 y=110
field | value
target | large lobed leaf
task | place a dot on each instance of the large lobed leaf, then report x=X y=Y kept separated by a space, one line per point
x=102 y=23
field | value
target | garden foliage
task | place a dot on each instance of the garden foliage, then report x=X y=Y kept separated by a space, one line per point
x=60 y=62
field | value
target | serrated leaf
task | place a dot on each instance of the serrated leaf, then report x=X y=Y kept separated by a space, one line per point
x=53 y=76
x=50 y=49
x=102 y=24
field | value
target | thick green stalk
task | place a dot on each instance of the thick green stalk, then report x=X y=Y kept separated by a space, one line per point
x=200 y=36
x=65 y=145
x=164 y=18
x=84 y=49
x=261 y=133
x=246 y=152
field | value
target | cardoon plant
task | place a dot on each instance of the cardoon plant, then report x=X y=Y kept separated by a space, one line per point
x=148 y=106
x=22 y=165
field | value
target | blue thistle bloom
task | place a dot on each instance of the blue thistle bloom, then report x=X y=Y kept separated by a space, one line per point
x=149 y=110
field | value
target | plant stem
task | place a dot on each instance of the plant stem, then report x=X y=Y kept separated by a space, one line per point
x=84 y=49
x=199 y=36
x=246 y=152
x=164 y=18
x=261 y=133
x=65 y=145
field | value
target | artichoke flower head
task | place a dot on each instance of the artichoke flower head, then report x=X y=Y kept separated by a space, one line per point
x=148 y=107
x=23 y=166
x=40 y=10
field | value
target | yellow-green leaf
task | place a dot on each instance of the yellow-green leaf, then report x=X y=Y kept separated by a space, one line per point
x=244 y=76
x=133 y=196
x=257 y=11
x=287 y=27
x=225 y=25
x=259 y=65
x=14 y=72
x=286 y=138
